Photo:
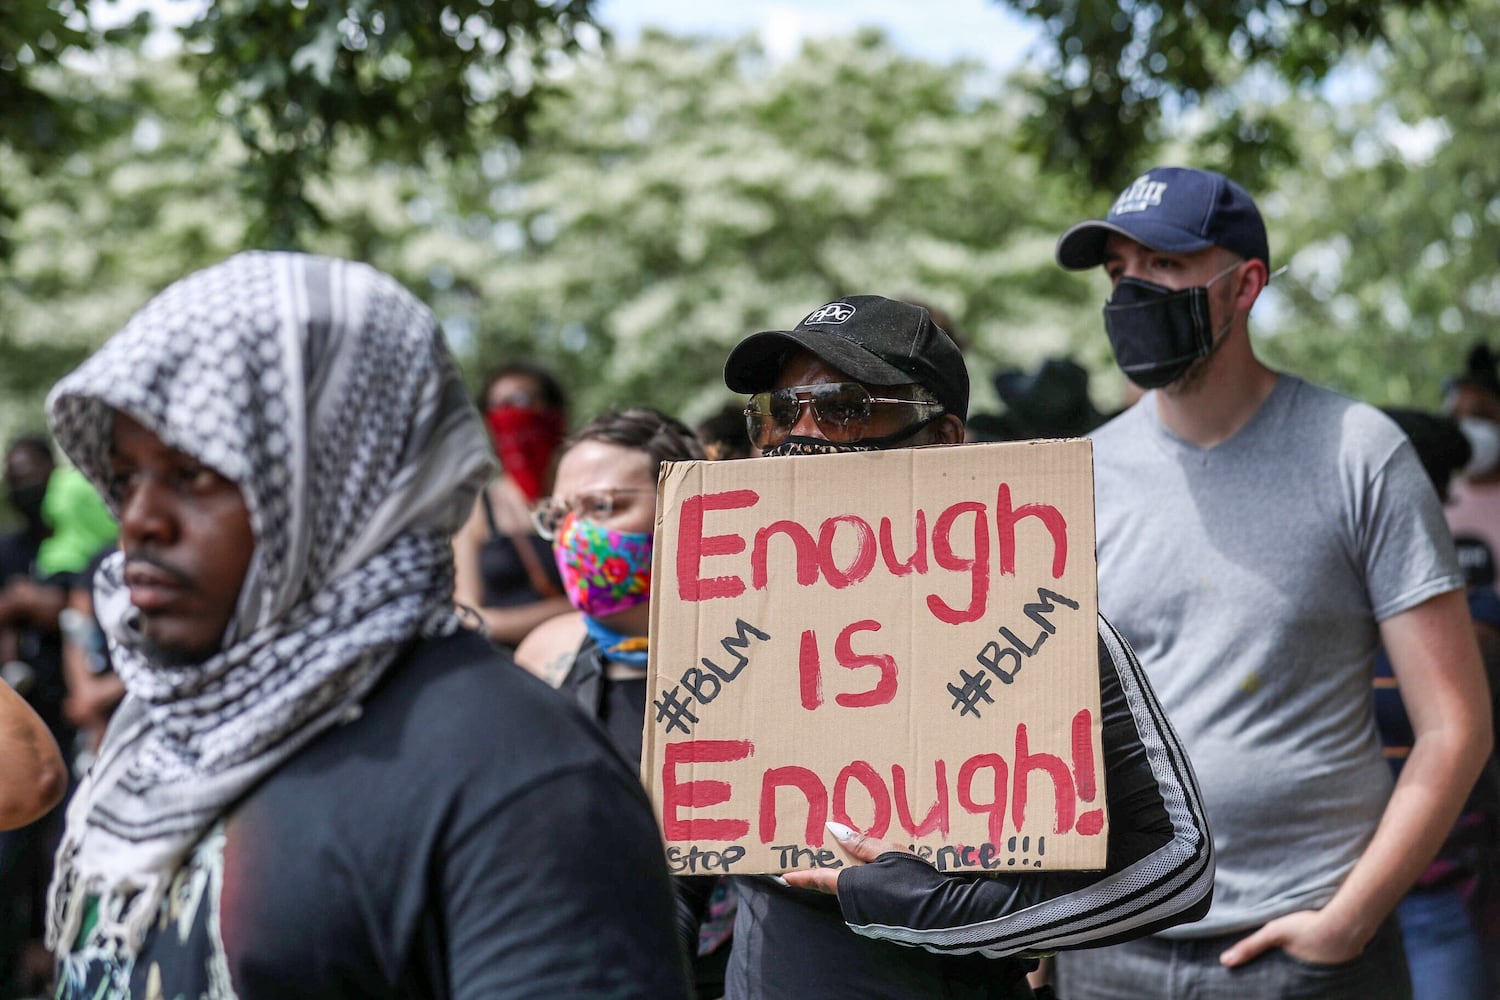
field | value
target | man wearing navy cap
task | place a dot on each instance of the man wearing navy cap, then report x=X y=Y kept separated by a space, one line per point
x=1259 y=537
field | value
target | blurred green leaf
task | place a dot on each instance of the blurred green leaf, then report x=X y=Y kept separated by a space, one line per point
x=1118 y=73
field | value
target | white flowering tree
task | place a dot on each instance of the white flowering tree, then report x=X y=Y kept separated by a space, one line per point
x=677 y=194
x=680 y=194
x=1392 y=227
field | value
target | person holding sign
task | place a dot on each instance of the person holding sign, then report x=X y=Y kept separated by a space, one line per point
x=866 y=373
x=1259 y=538
x=319 y=784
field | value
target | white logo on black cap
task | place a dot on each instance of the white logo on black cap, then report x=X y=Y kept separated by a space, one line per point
x=1144 y=193
x=832 y=314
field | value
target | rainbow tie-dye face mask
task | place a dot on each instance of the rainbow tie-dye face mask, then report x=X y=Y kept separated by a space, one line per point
x=603 y=571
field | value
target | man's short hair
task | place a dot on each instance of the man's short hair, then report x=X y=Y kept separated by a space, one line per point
x=875 y=340
x=1480 y=372
x=37 y=444
x=1177 y=210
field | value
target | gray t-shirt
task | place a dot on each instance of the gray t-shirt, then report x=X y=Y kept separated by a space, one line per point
x=1249 y=578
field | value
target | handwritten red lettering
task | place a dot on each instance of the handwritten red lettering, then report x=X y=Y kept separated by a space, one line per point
x=864 y=552
x=692 y=546
x=918 y=560
x=1053 y=766
x=936 y=819
x=987 y=785
x=884 y=691
x=995 y=807
x=697 y=794
x=880 y=798
x=813 y=555
x=807 y=553
x=1005 y=527
x=809 y=671
x=977 y=565
x=1090 y=823
x=811 y=787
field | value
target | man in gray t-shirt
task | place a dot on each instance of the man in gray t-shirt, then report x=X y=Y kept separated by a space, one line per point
x=1259 y=537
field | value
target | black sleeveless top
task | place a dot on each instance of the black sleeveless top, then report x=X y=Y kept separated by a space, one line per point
x=502 y=571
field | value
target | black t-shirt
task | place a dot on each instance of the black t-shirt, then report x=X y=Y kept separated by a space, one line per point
x=469 y=835
x=618 y=706
x=17 y=554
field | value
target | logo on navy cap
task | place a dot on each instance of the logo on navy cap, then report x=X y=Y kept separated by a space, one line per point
x=832 y=314
x=1144 y=193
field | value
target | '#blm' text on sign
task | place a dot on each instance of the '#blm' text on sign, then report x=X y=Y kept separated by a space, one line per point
x=902 y=641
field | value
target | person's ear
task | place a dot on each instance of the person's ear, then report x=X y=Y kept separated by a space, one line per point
x=1252 y=280
x=949 y=429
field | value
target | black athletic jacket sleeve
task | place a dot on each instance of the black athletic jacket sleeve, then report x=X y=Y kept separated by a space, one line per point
x=1160 y=860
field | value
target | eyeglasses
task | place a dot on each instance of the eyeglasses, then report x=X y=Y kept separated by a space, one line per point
x=548 y=513
x=516 y=400
x=843 y=412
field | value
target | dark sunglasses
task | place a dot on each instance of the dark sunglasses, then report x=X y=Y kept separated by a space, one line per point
x=843 y=412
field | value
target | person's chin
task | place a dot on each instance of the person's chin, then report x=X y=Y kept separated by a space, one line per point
x=164 y=649
x=1189 y=381
x=635 y=620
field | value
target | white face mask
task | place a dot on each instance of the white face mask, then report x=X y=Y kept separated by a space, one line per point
x=1484 y=442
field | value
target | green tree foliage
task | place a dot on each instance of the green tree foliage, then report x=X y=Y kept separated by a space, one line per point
x=680 y=194
x=1393 y=230
x=677 y=194
x=415 y=78
x=118 y=174
x=99 y=233
x=1121 y=71
x=43 y=118
x=673 y=197
x=294 y=78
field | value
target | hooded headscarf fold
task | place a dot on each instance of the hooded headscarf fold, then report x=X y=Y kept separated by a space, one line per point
x=325 y=392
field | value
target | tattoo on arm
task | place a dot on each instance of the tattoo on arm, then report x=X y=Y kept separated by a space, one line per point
x=556 y=669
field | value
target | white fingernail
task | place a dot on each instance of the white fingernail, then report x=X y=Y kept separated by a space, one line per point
x=840 y=831
x=781 y=881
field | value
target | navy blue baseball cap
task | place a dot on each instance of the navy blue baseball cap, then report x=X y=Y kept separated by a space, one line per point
x=1176 y=209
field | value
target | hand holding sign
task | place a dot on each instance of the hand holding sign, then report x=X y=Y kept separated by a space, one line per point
x=857 y=845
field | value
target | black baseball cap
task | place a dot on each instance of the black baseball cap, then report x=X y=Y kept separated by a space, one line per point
x=875 y=340
x=1480 y=372
x=1176 y=209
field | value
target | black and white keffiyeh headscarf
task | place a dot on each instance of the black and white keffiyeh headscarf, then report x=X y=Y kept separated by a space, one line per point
x=325 y=392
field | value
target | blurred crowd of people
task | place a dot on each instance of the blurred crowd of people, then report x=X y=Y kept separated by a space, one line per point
x=1293 y=587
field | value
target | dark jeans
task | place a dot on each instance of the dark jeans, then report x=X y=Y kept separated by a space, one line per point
x=1443 y=948
x=1159 y=968
x=25 y=869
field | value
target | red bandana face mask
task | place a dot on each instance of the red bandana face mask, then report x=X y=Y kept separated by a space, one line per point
x=525 y=439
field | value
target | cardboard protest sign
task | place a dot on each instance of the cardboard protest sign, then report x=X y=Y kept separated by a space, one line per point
x=902 y=641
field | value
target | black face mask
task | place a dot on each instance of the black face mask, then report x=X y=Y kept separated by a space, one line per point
x=1157 y=333
x=797 y=445
x=813 y=446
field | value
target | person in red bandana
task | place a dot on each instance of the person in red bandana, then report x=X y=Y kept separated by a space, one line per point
x=504 y=570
